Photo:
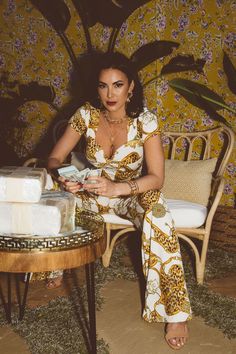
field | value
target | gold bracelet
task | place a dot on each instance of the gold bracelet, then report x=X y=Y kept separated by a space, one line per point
x=133 y=187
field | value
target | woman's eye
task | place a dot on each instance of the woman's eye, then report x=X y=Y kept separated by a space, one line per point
x=101 y=86
x=118 y=85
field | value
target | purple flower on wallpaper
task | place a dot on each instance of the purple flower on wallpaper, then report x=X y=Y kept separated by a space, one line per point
x=22 y=117
x=154 y=111
x=230 y=40
x=130 y=34
x=2 y=61
x=105 y=35
x=18 y=44
x=189 y=124
x=57 y=82
x=174 y=34
x=162 y=88
x=177 y=97
x=207 y=55
x=32 y=38
x=193 y=9
x=228 y=189
x=144 y=27
x=163 y=118
x=183 y=22
x=185 y=143
x=18 y=67
x=51 y=44
x=165 y=140
x=221 y=137
x=123 y=29
x=140 y=16
x=196 y=76
x=11 y=7
x=161 y=23
x=178 y=150
x=207 y=121
x=232 y=104
x=231 y=169
x=79 y=26
x=158 y=102
x=219 y=3
x=57 y=101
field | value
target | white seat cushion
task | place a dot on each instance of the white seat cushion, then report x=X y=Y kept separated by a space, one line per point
x=114 y=219
x=184 y=213
x=187 y=214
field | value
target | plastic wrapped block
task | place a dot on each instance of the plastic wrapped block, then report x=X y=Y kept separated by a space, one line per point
x=52 y=215
x=22 y=184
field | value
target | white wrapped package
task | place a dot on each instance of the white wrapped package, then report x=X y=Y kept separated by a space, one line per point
x=52 y=215
x=22 y=184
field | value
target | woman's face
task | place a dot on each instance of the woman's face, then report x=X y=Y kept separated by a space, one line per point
x=113 y=89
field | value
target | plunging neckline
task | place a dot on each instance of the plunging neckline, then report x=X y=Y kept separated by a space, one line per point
x=129 y=122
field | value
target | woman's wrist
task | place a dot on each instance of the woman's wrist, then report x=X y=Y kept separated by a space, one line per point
x=126 y=188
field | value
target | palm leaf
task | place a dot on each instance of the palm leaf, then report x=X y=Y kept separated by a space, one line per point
x=191 y=91
x=183 y=63
x=55 y=11
x=34 y=91
x=110 y=13
x=212 y=112
x=230 y=72
x=151 y=52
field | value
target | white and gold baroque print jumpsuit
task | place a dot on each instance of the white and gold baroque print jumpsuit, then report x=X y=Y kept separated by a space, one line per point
x=166 y=298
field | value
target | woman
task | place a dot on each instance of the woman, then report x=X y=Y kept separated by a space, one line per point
x=120 y=137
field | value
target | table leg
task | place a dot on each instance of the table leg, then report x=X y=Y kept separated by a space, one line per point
x=91 y=306
x=8 y=306
x=22 y=305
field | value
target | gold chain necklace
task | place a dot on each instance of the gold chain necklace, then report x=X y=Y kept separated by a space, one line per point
x=112 y=136
x=114 y=121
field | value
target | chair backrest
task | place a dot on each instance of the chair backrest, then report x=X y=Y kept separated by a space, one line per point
x=201 y=145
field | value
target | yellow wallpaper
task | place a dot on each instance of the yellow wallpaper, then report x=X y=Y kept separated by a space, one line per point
x=31 y=50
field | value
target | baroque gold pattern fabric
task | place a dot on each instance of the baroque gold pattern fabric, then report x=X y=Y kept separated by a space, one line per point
x=166 y=298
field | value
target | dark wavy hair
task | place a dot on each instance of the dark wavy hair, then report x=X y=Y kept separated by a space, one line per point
x=120 y=62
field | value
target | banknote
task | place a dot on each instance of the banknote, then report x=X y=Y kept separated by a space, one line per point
x=72 y=174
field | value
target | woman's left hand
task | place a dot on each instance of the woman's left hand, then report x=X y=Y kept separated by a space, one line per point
x=100 y=186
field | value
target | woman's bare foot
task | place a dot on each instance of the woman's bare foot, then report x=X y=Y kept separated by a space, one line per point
x=176 y=334
x=53 y=283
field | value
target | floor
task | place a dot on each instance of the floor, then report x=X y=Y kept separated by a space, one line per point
x=120 y=325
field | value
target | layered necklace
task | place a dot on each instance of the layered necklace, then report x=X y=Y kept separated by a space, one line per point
x=109 y=122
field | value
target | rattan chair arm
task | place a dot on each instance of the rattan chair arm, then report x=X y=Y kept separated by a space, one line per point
x=218 y=186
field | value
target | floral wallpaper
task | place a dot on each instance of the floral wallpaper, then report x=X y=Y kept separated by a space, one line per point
x=32 y=51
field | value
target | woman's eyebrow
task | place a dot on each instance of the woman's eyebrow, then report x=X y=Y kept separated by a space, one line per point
x=115 y=82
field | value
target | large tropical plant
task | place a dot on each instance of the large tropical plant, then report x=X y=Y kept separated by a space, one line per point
x=13 y=95
x=114 y=13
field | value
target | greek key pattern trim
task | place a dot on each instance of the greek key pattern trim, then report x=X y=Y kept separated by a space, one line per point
x=92 y=222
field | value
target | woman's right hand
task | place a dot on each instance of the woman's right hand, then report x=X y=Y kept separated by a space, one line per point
x=68 y=186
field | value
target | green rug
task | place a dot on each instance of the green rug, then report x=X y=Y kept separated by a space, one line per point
x=60 y=328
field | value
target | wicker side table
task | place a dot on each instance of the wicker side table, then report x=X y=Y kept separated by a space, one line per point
x=26 y=254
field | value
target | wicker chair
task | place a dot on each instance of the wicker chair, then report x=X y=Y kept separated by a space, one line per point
x=197 y=145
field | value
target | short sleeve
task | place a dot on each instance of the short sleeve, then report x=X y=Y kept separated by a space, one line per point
x=79 y=120
x=150 y=126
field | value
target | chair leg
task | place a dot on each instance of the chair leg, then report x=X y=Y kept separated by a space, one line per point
x=200 y=270
x=111 y=242
x=107 y=254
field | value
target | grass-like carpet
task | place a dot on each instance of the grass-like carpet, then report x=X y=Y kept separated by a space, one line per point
x=60 y=328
